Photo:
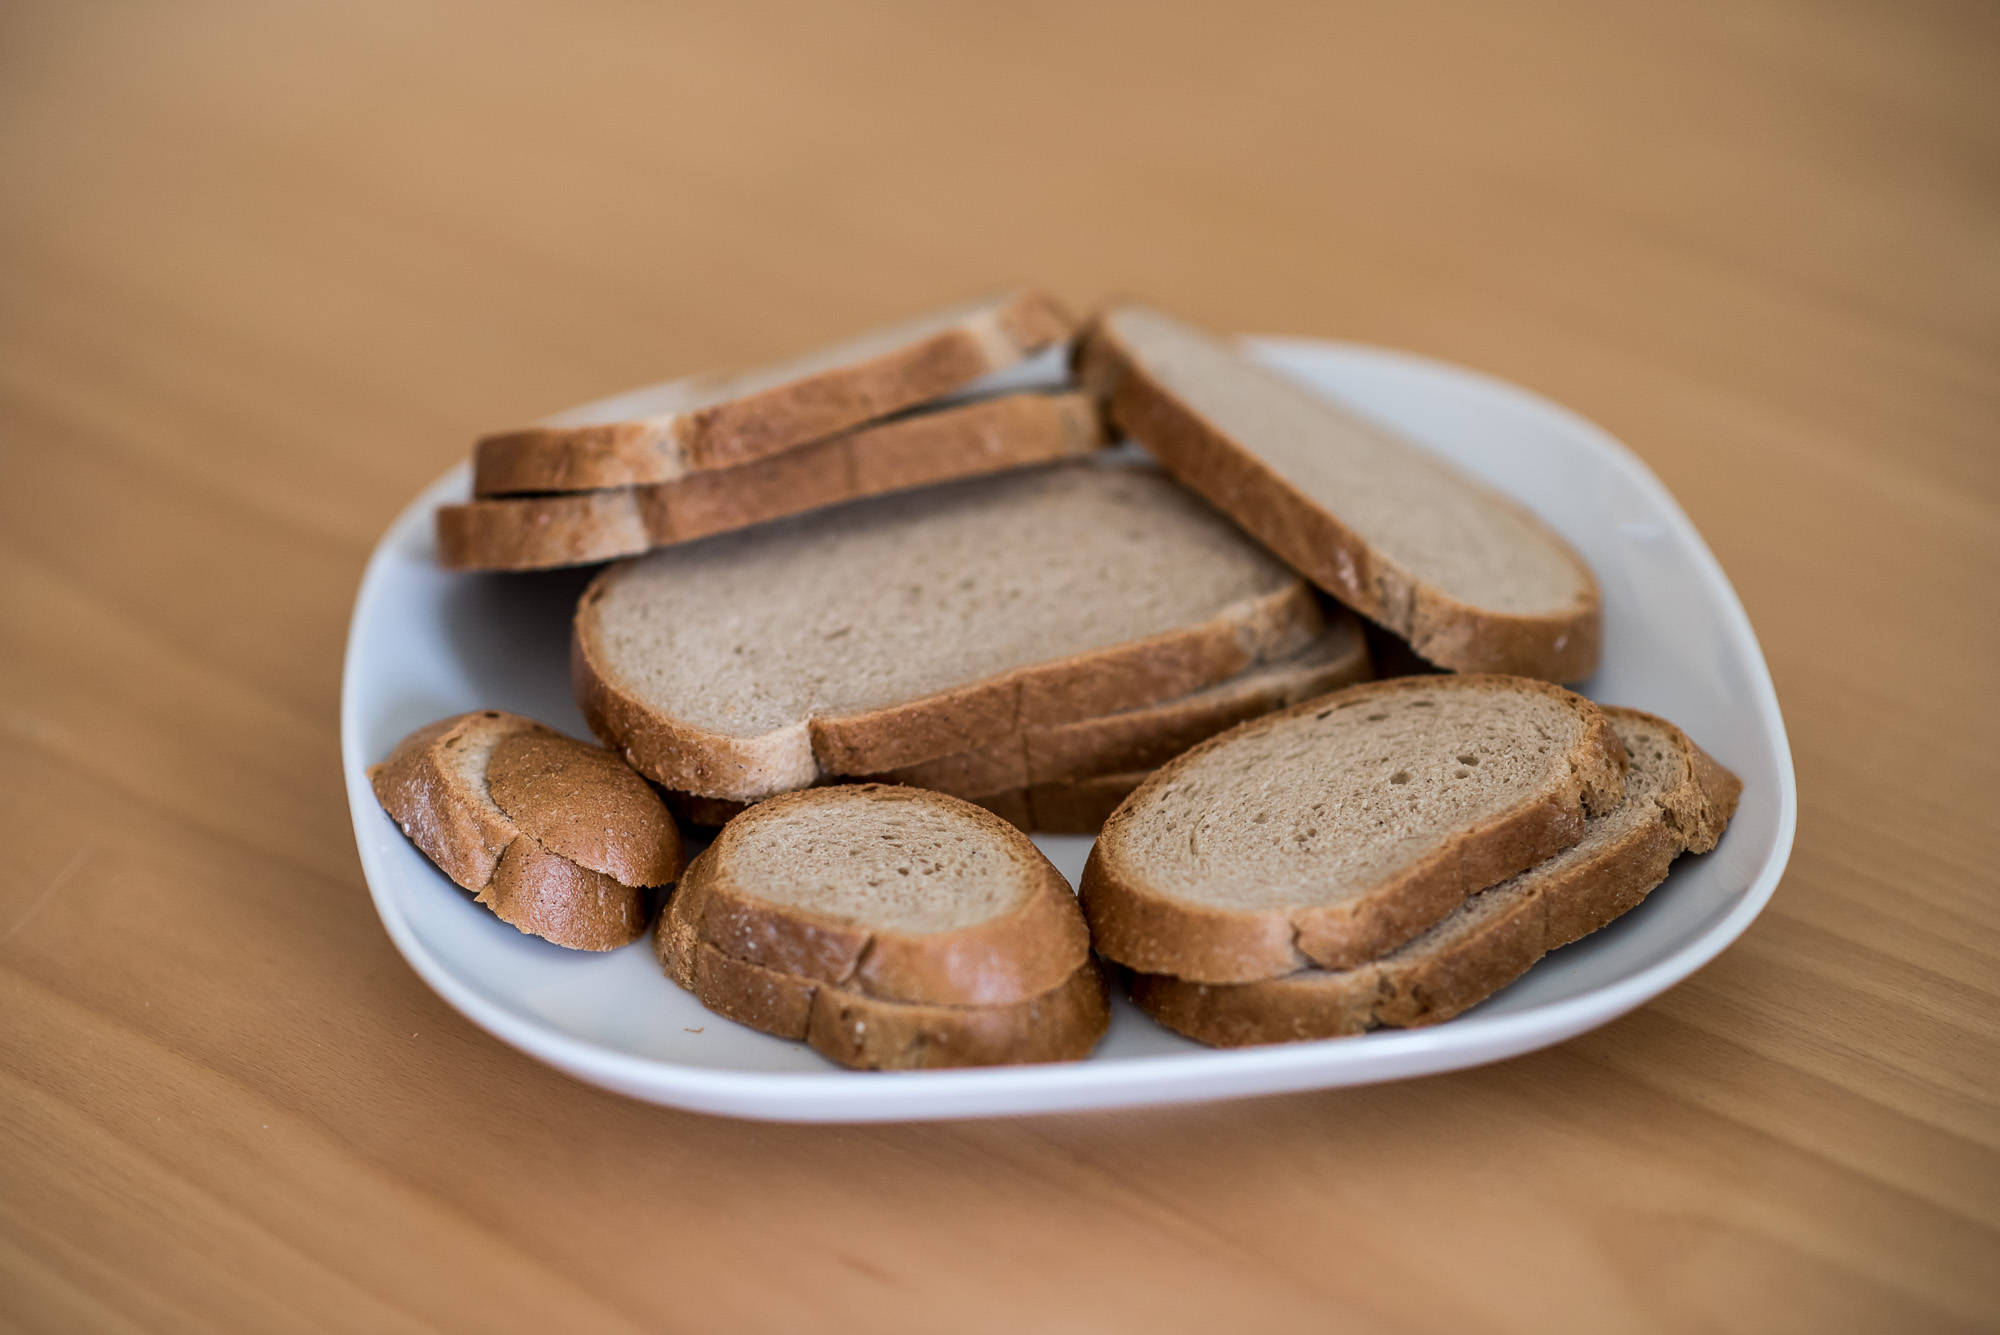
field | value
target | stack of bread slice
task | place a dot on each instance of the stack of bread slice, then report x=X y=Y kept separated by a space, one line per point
x=889 y=928
x=1006 y=622
x=1389 y=854
x=882 y=412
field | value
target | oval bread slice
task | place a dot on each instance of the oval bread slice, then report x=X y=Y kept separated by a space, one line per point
x=1677 y=800
x=721 y=420
x=1336 y=830
x=895 y=630
x=1472 y=580
x=574 y=528
x=894 y=893
x=560 y=839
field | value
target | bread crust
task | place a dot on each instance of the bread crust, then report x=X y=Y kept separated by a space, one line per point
x=689 y=759
x=541 y=860
x=1444 y=630
x=1005 y=959
x=1151 y=932
x=867 y=1033
x=1422 y=987
x=1147 y=736
x=764 y=422
x=579 y=527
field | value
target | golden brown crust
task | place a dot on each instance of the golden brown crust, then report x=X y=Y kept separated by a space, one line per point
x=587 y=805
x=689 y=759
x=1420 y=986
x=1004 y=959
x=765 y=422
x=1152 y=932
x=987 y=436
x=1314 y=542
x=488 y=848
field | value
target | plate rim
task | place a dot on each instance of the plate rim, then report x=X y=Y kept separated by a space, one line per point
x=834 y=1096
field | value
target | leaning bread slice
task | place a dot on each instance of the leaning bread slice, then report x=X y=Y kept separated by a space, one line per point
x=1338 y=829
x=1676 y=800
x=868 y=636
x=889 y=927
x=719 y=421
x=573 y=528
x=1472 y=580
x=558 y=838
x=1146 y=737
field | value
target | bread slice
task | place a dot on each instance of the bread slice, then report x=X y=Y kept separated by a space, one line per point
x=574 y=528
x=721 y=420
x=888 y=927
x=1142 y=738
x=1336 y=830
x=1472 y=580
x=1065 y=806
x=1677 y=800
x=558 y=838
x=868 y=636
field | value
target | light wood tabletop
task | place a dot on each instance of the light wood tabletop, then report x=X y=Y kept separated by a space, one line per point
x=268 y=269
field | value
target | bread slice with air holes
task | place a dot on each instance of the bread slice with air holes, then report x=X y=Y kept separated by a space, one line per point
x=560 y=839
x=889 y=928
x=1677 y=799
x=575 y=528
x=874 y=635
x=1334 y=831
x=1471 y=579
x=721 y=420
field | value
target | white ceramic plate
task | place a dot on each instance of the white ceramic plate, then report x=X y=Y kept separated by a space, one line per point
x=425 y=644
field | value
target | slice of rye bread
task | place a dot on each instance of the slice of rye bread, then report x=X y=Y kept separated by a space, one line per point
x=894 y=893
x=1128 y=744
x=1472 y=580
x=1677 y=800
x=560 y=839
x=1336 y=830
x=1143 y=738
x=888 y=927
x=575 y=528
x=721 y=420
x=869 y=636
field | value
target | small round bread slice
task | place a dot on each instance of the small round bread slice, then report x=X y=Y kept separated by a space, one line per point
x=839 y=912
x=1677 y=800
x=1334 y=831
x=560 y=839
x=897 y=893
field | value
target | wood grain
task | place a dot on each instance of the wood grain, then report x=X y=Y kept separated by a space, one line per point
x=267 y=269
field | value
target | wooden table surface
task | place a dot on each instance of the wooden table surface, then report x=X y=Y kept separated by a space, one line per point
x=268 y=268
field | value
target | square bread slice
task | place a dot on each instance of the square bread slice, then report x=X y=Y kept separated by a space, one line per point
x=576 y=528
x=1471 y=579
x=1677 y=800
x=721 y=420
x=1336 y=830
x=864 y=637
x=887 y=927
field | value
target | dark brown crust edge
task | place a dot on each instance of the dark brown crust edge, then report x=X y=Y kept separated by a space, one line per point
x=1154 y=933
x=1439 y=627
x=622 y=454
x=689 y=759
x=1000 y=961
x=580 y=527
x=1433 y=988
